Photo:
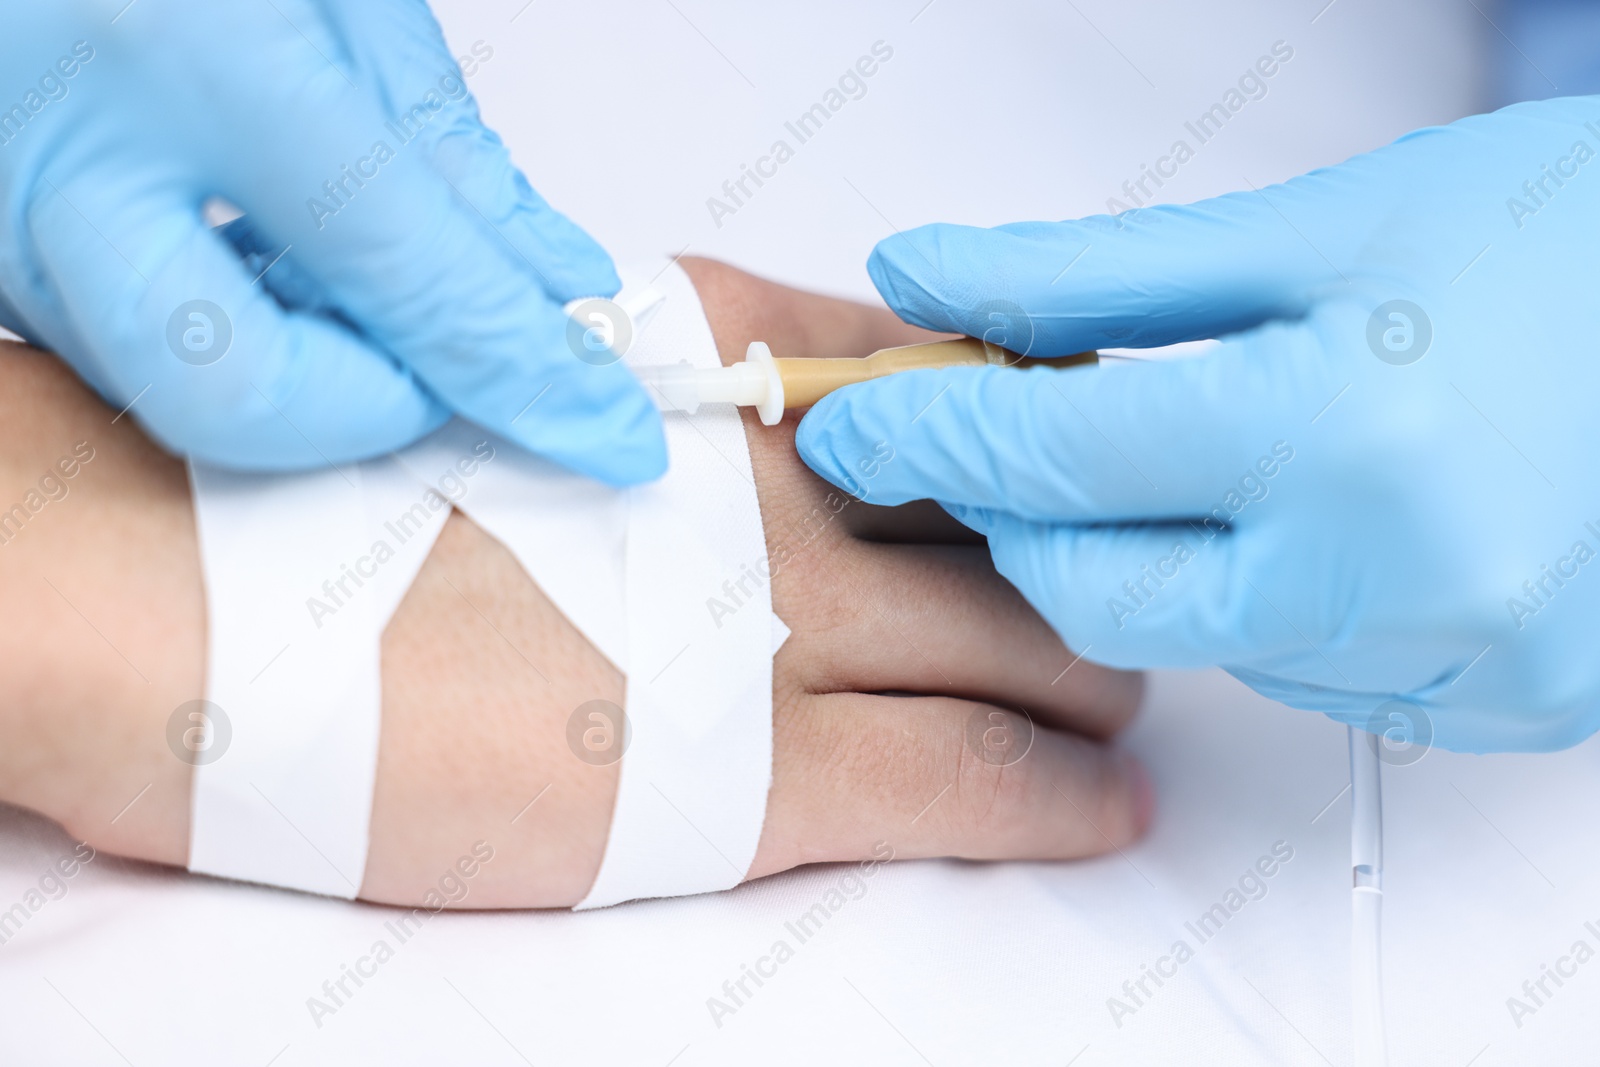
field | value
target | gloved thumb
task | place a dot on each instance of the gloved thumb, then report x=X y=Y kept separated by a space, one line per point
x=1147 y=277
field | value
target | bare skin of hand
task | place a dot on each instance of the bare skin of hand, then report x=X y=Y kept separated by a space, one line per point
x=906 y=648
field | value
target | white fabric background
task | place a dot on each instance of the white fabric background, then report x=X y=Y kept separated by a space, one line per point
x=627 y=116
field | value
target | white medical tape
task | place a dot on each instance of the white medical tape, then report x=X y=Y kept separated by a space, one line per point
x=663 y=580
x=692 y=795
x=302 y=573
x=568 y=532
x=642 y=574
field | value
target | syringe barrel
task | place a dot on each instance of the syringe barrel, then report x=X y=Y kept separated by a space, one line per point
x=674 y=386
x=684 y=387
x=741 y=383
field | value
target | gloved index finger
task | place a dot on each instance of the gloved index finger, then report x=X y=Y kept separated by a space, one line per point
x=1144 y=278
x=1158 y=440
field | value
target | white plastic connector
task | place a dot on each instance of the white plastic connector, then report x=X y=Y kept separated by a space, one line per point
x=770 y=405
x=753 y=383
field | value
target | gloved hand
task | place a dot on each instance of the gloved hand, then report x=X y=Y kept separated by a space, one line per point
x=1383 y=484
x=392 y=265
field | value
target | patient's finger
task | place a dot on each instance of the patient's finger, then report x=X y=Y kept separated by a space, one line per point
x=919 y=774
x=940 y=620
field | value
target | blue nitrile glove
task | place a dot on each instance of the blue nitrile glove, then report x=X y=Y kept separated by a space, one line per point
x=1383 y=486
x=392 y=265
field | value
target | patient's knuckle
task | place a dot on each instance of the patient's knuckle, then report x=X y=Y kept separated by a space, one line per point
x=991 y=782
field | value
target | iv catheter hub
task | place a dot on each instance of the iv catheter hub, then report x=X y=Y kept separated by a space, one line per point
x=772 y=385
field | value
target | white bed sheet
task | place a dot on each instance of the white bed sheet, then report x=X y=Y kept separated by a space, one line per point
x=1491 y=872
x=629 y=115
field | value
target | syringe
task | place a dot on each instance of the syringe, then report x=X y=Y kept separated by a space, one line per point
x=771 y=385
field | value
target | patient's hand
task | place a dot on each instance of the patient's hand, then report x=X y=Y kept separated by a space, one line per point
x=103 y=636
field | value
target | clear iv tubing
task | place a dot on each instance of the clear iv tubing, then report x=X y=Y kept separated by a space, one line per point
x=1366 y=863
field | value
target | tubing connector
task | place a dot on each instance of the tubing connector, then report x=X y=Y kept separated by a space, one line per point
x=772 y=385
